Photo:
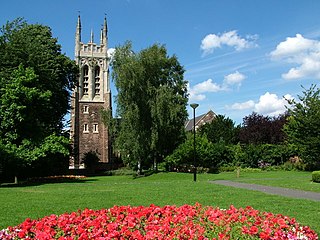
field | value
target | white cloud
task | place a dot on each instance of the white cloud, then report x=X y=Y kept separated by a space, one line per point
x=300 y=51
x=196 y=97
x=110 y=52
x=234 y=78
x=269 y=104
x=243 y=106
x=231 y=39
x=309 y=68
x=292 y=47
x=197 y=92
x=193 y=96
x=207 y=86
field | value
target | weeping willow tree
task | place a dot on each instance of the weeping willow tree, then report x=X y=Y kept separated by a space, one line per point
x=151 y=104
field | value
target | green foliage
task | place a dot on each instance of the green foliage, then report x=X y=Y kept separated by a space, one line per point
x=237 y=153
x=90 y=160
x=221 y=129
x=229 y=157
x=303 y=127
x=208 y=155
x=124 y=171
x=259 y=129
x=20 y=99
x=316 y=176
x=183 y=154
x=262 y=155
x=151 y=103
x=33 y=46
x=35 y=80
x=50 y=156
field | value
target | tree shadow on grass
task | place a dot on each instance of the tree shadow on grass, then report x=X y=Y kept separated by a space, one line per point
x=147 y=173
x=48 y=180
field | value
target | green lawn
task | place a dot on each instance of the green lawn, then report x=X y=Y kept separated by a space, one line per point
x=286 y=179
x=18 y=203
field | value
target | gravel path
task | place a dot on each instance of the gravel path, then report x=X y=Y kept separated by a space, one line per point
x=271 y=190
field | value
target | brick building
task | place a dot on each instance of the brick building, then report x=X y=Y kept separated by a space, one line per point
x=90 y=96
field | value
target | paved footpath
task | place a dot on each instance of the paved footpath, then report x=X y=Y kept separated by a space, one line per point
x=271 y=190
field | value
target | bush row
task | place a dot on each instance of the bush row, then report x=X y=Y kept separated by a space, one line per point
x=215 y=156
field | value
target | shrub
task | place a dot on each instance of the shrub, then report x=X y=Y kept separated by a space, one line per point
x=251 y=170
x=121 y=172
x=226 y=168
x=265 y=155
x=316 y=176
x=183 y=155
x=221 y=156
x=91 y=160
x=168 y=222
x=208 y=155
x=294 y=163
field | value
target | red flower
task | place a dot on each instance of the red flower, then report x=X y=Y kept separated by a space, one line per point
x=168 y=222
x=264 y=235
x=253 y=230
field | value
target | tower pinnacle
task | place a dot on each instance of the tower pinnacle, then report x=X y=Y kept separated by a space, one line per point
x=105 y=26
x=91 y=37
x=78 y=36
x=105 y=34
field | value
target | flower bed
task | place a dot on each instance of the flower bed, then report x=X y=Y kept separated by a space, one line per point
x=59 y=178
x=168 y=222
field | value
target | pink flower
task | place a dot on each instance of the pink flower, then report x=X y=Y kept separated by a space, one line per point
x=154 y=222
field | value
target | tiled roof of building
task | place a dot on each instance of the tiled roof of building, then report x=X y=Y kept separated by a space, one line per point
x=189 y=123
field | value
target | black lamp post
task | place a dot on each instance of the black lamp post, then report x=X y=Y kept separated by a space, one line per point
x=194 y=106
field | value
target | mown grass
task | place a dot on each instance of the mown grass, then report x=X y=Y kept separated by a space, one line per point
x=18 y=203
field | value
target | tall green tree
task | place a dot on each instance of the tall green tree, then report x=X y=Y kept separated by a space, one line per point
x=221 y=129
x=151 y=102
x=35 y=79
x=32 y=46
x=303 y=126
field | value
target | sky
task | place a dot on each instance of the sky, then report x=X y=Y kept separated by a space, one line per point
x=239 y=56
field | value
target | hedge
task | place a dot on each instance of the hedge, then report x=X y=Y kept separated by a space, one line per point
x=316 y=176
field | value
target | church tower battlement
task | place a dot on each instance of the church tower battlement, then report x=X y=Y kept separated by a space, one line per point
x=90 y=96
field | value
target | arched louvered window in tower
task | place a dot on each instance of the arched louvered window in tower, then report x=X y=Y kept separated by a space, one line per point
x=85 y=74
x=97 y=80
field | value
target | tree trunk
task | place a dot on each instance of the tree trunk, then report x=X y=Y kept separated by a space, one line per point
x=155 y=164
x=238 y=172
x=139 y=168
x=15 y=180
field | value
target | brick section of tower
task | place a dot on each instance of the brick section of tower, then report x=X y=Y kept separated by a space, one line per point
x=95 y=140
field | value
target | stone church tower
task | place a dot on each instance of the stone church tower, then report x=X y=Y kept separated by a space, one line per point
x=90 y=95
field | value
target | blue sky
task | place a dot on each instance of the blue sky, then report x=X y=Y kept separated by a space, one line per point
x=239 y=56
